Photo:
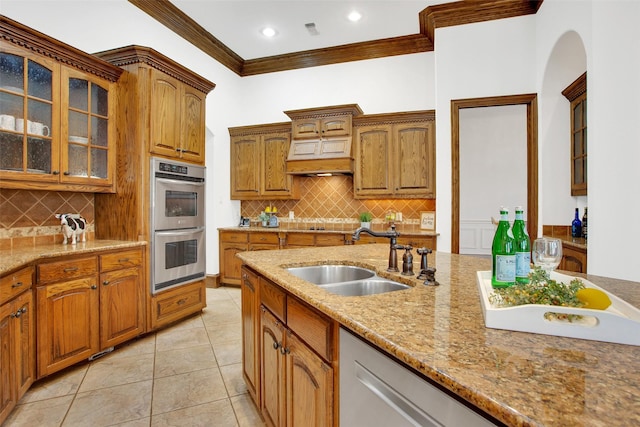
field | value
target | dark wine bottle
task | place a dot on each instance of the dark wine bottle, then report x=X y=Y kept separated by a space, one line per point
x=576 y=225
x=584 y=224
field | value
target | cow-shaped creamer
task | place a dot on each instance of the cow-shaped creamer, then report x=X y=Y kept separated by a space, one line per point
x=72 y=228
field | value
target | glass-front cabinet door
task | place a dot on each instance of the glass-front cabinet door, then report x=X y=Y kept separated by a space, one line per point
x=28 y=113
x=86 y=109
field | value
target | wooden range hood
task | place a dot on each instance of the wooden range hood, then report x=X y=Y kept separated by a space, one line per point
x=321 y=140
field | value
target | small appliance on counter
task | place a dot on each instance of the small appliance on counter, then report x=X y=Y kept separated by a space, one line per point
x=244 y=222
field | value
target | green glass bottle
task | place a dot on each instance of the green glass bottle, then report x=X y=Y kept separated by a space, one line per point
x=503 y=254
x=522 y=246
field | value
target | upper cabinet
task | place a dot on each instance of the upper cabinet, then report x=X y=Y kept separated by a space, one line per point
x=395 y=155
x=170 y=99
x=258 y=162
x=177 y=112
x=57 y=114
x=576 y=93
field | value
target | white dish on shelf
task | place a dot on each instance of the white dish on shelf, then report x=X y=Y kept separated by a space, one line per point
x=78 y=139
x=619 y=323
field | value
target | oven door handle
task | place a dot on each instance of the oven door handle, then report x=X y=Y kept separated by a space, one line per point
x=180 y=182
x=182 y=232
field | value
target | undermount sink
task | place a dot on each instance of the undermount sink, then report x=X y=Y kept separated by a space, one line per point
x=365 y=287
x=326 y=274
x=346 y=280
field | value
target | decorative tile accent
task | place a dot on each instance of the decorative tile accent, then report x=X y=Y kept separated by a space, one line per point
x=27 y=216
x=332 y=198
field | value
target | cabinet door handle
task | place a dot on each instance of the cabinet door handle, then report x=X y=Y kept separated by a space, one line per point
x=182 y=301
x=94 y=287
x=66 y=173
x=105 y=283
x=284 y=350
x=123 y=260
x=56 y=172
x=70 y=269
x=17 y=285
x=276 y=345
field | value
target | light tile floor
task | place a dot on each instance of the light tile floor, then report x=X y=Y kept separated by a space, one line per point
x=189 y=374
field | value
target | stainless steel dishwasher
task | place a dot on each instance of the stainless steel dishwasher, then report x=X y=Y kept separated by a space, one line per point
x=375 y=390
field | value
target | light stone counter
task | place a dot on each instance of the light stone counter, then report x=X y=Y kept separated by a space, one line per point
x=519 y=378
x=12 y=259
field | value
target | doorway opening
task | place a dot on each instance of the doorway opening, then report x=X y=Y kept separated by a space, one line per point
x=528 y=100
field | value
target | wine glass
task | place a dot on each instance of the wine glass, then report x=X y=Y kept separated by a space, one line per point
x=547 y=253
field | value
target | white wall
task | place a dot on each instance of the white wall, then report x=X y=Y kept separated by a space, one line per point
x=476 y=60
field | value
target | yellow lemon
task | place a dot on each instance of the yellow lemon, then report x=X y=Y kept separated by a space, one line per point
x=593 y=298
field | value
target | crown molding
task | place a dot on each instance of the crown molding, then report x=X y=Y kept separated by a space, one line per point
x=438 y=16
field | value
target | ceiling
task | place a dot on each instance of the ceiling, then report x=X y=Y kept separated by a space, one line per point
x=237 y=23
x=229 y=30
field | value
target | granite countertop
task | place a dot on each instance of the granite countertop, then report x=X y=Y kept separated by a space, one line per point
x=332 y=228
x=11 y=259
x=519 y=378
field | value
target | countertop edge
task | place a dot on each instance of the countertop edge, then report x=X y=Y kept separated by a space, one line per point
x=14 y=259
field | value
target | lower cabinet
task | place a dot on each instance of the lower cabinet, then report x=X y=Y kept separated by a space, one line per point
x=17 y=347
x=250 y=337
x=176 y=303
x=573 y=259
x=289 y=355
x=86 y=305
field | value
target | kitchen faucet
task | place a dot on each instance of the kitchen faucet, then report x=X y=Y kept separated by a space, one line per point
x=392 y=235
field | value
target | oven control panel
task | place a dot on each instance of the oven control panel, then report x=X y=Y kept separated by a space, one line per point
x=172 y=168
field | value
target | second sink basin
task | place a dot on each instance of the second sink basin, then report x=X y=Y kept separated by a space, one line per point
x=325 y=274
x=365 y=287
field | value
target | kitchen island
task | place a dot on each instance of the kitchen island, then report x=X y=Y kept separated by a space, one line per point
x=438 y=332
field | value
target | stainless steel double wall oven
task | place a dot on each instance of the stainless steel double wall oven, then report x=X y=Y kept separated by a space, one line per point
x=177 y=222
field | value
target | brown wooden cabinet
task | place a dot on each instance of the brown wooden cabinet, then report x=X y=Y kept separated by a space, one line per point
x=301 y=240
x=395 y=155
x=177 y=303
x=68 y=304
x=177 y=112
x=60 y=106
x=250 y=337
x=573 y=259
x=297 y=350
x=323 y=122
x=86 y=305
x=17 y=338
x=122 y=297
x=170 y=117
x=230 y=243
x=258 y=163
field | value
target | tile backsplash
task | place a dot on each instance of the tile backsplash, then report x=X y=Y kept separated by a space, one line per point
x=27 y=216
x=332 y=199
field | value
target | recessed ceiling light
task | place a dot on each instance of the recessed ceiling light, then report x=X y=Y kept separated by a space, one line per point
x=268 y=32
x=354 y=16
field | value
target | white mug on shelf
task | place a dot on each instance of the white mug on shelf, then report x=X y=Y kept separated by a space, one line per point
x=38 y=128
x=7 y=122
x=19 y=125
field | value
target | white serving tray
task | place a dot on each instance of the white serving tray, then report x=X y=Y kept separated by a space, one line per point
x=619 y=323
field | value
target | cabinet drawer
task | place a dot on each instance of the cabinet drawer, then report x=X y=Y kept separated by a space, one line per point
x=264 y=238
x=301 y=239
x=314 y=328
x=123 y=259
x=67 y=269
x=274 y=298
x=176 y=303
x=15 y=283
x=329 y=239
x=233 y=237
